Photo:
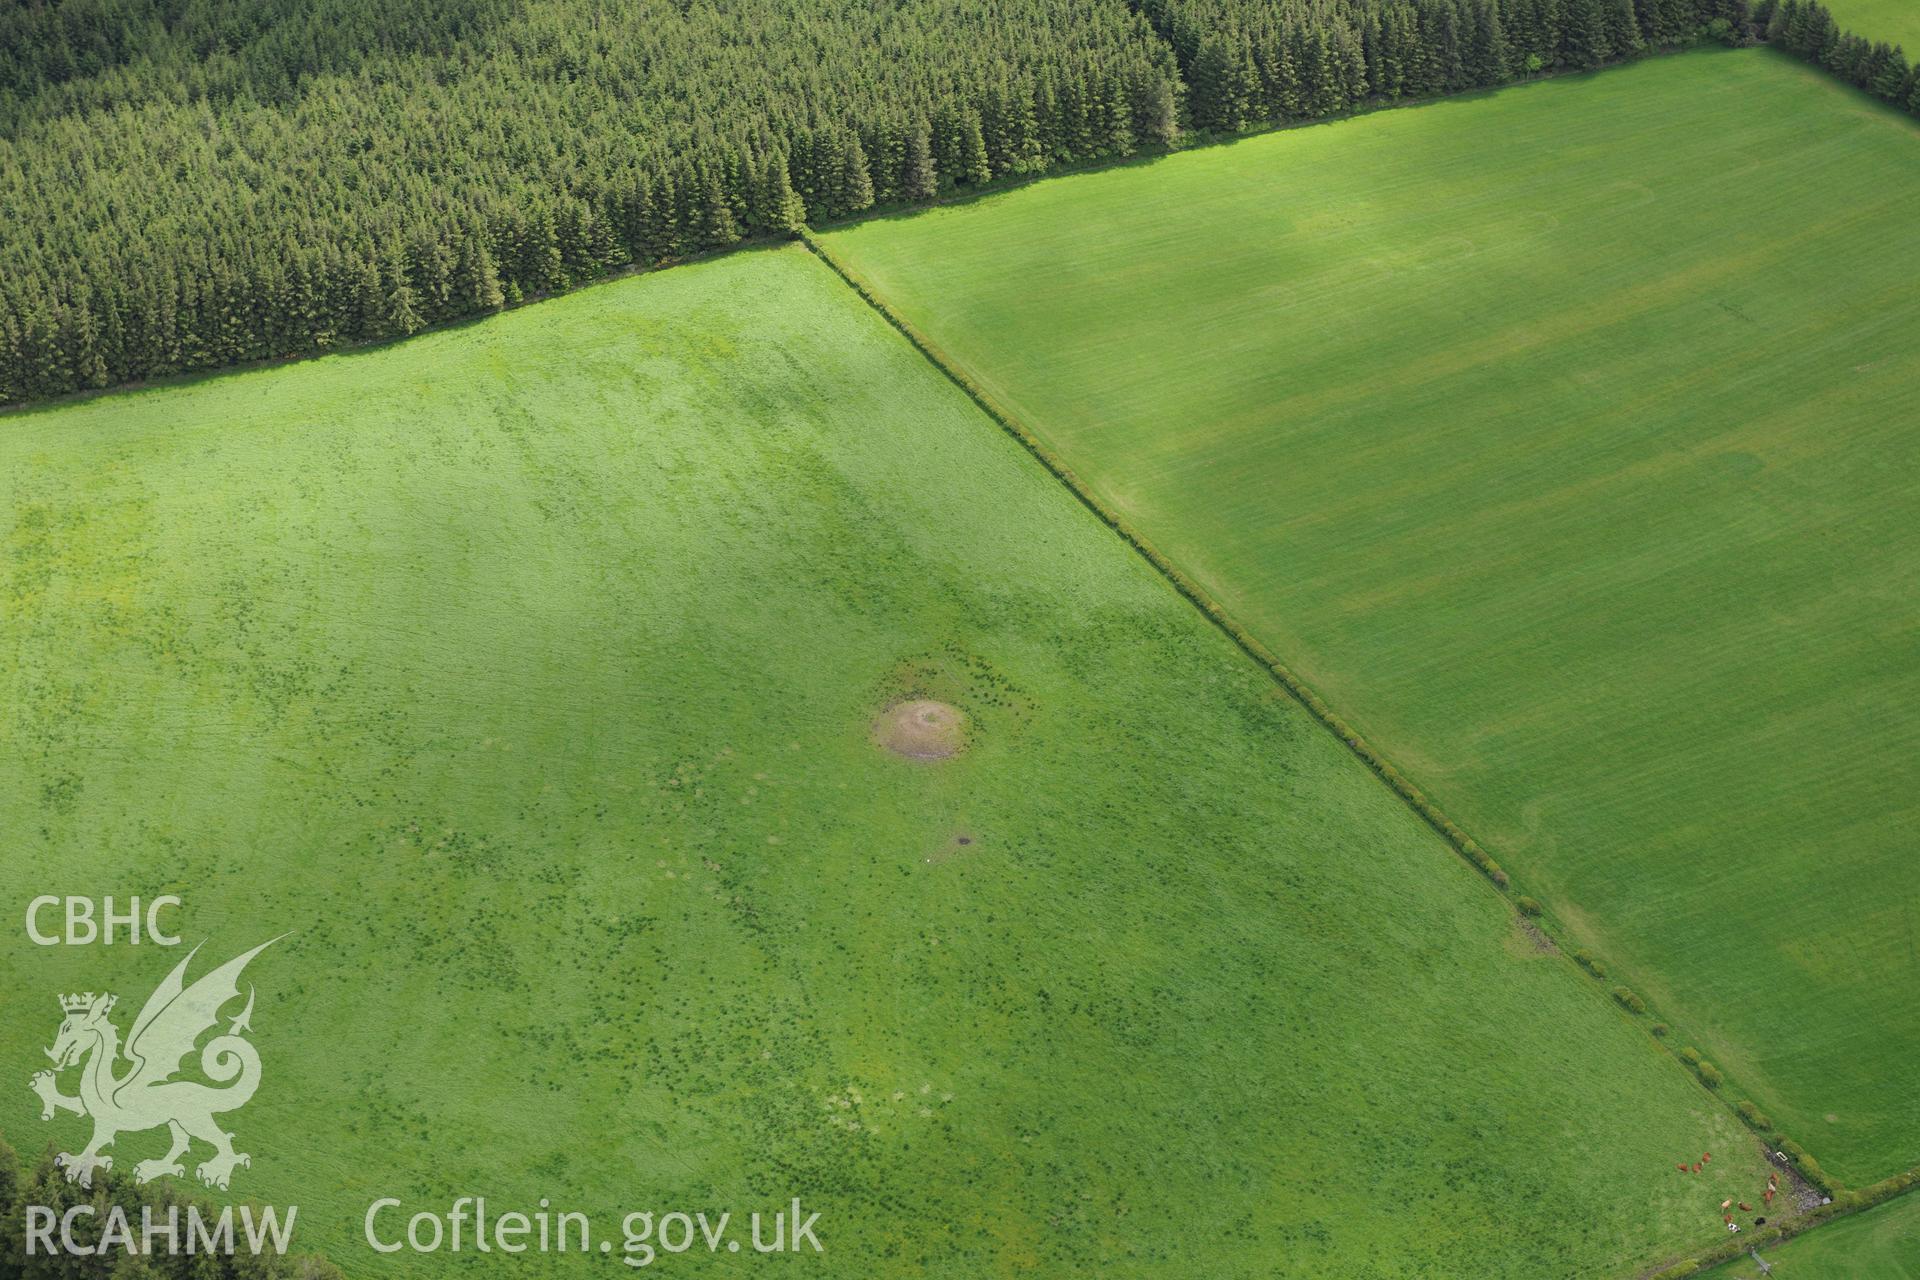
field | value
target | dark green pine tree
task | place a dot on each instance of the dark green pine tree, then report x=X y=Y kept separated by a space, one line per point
x=660 y=230
x=856 y=176
x=542 y=268
x=1622 y=32
x=718 y=225
x=1348 y=67
x=80 y=337
x=1395 y=35
x=787 y=212
x=1449 y=53
x=1156 y=119
x=1780 y=24
x=1425 y=77
x=1070 y=127
x=1486 y=55
x=1552 y=20
x=1823 y=33
x=1321 y=77
x=431 y=263
x=366 y=314
x=400 y=305
x=13 y=381
x=1208 y=96
x=1848 y=58
x=1584 y=35
x=1046 y=121
x=975 y=169
x=476 y=282
x=1903 y=96
x=1024 y=150
x=1289 y=91
x=918 y=181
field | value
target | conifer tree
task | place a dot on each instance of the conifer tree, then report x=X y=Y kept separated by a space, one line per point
x=975 y=168
x=1156 y=117
x=718 y=225
x=477 y=280
x=787 y=211
x=1584 y=37
x=917 y=178
x=1486 y=59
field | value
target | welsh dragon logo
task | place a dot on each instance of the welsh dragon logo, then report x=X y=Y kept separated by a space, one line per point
x=147 y=1093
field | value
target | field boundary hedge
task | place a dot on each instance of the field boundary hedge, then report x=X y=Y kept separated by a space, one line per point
x=1841 y=1200
x=1843 y=1206
x=1196 y=595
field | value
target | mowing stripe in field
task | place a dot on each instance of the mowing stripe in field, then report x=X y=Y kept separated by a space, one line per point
x=1562 y=438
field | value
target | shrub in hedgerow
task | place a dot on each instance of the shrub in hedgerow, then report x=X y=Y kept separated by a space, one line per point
x=1528 y=906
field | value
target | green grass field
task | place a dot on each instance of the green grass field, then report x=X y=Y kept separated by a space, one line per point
x=525 y=672
x=1895 y=21
x=1562 y=438
x=1881 y=1244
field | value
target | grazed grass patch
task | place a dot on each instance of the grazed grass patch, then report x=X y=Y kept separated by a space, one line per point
x=527 y=671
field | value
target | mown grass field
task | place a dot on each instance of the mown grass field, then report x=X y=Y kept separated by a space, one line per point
x=1881 y=1244
x=1563 y=439
x=525 y=671
x=1895 y=21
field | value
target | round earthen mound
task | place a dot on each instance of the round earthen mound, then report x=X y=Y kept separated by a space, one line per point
x=921 y=730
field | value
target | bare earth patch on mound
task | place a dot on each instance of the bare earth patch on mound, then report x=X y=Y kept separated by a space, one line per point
x=921 y=730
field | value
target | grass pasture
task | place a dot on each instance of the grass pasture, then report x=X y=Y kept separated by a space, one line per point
x=1895 y=21
x=1563 y=439
x=527 y=672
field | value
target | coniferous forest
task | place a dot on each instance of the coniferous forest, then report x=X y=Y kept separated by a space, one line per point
x=209 y=182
